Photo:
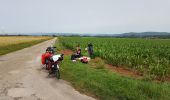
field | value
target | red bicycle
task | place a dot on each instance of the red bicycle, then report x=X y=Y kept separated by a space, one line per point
x=53 y=65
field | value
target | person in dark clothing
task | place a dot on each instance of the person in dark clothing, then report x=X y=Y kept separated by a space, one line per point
x=90 y=49
x=76 y=55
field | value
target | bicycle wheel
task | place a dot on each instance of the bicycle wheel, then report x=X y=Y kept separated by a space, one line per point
x=57 y=74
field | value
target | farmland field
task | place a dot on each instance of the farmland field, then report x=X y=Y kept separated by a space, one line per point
x=13 y=43
x=151 y=57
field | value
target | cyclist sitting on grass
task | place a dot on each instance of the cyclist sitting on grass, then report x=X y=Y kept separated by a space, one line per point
x=76 y=55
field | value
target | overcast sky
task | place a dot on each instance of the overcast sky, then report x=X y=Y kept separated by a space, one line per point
x=84 y=16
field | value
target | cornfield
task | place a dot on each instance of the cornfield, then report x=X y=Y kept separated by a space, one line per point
x=149 y=56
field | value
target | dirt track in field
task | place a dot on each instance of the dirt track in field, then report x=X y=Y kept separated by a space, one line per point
x=22 y=78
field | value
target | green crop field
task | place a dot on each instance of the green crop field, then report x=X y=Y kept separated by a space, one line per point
x=151 y=57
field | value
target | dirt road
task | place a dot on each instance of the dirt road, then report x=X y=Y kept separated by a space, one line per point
x=22 y=78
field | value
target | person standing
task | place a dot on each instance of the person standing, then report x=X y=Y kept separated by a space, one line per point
x=90 y=49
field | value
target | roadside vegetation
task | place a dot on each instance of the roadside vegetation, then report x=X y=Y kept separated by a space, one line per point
x=13 y=43
x=97 y=81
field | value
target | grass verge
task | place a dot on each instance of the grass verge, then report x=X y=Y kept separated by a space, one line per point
x=106 y=85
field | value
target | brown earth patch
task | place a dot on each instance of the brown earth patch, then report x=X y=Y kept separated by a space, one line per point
x=124 y=71
x=66 y=52
x=99 y=63
x=165 y=79
x=133 y=73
